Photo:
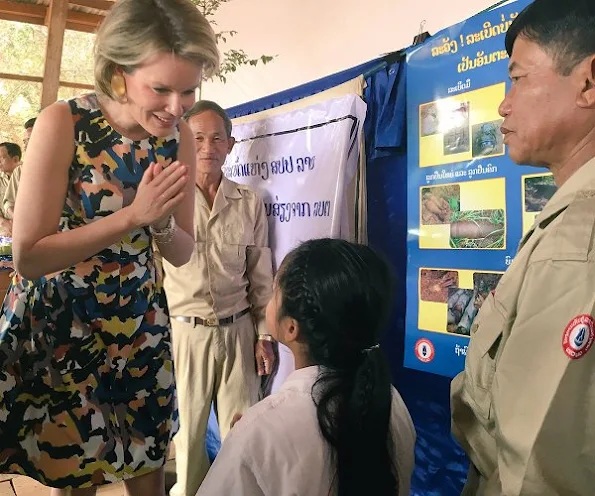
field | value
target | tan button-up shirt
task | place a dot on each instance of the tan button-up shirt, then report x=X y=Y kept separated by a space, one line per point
x=4 y=181
x=524 y=408
x=231 y=267
x=10 y=194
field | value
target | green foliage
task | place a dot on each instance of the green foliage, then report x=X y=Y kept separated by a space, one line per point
x=232 y=59
x=209 y=8
x=22 y=51
x=77 y=58
x=19 y=54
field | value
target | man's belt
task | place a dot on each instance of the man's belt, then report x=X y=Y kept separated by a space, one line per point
x=211 y=322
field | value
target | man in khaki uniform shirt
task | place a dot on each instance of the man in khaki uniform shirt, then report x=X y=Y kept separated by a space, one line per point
x=10 y=194
x=524 y=408
x=10 y=158
x=217 y=301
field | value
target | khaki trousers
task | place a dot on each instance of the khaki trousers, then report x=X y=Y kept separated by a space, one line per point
x=212 y=364
x=477 y=485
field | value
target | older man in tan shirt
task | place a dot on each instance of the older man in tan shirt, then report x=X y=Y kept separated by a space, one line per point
x=217 y=301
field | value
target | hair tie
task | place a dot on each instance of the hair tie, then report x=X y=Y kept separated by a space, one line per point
x=368 y=350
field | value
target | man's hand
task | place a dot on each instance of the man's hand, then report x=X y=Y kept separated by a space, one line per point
x=265 y=357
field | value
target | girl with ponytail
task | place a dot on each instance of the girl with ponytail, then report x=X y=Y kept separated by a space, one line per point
x=337 y=426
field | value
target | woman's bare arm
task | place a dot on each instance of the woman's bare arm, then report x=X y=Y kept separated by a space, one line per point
x=37 y=247
x=179 y=250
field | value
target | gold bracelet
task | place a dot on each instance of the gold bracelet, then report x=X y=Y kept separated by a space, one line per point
x=266 y=337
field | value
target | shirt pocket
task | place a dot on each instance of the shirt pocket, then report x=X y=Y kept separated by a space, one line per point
x=233 y=248
x=482 y=356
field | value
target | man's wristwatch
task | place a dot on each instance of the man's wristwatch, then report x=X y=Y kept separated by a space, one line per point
x=266 y=337
x=165 y=234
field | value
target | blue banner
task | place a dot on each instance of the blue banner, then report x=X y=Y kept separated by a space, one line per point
x=468 y=203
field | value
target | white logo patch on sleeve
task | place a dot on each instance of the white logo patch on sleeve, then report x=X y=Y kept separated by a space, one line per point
x=578 y=336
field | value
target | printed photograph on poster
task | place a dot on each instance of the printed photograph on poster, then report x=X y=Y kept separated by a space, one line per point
x=461 y=311
x=449 y=299
x=537 y=190
x=469 y=215
x=461 y=127
x=435 y=284
x=456 y=129
x=478 y=229
x=438 y=204
x=430 y=124
x=487 y=139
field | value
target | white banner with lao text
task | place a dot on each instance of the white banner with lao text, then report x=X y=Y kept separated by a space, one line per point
x=300 y=163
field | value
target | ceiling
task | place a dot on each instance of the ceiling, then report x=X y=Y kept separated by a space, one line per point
x=83 y=15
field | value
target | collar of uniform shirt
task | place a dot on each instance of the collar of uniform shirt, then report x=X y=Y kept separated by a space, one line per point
x=582 y=179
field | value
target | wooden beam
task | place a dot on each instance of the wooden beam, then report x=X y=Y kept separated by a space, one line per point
x=58 y=12
x=21 y=77
x=7 y=16
x=25 y=12
x=84 y=19
x=39 y=79
x=80 y=86
x=93 y=4
x=85 y=28
x=39 y=14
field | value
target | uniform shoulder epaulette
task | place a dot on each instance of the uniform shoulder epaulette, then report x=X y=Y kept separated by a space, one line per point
x=575 y=231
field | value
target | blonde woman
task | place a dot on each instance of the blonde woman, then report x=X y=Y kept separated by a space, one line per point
x=87 y=394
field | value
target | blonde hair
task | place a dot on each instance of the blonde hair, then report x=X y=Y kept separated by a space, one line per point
x=134 y=30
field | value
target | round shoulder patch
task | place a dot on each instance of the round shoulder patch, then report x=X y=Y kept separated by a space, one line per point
x=578 y=336
x=424 y=350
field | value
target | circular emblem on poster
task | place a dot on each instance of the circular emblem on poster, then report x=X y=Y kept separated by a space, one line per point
x=424 y=350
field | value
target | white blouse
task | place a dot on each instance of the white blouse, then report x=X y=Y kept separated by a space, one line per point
x=277 y=449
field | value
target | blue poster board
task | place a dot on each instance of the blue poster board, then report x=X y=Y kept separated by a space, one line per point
x=468 y=203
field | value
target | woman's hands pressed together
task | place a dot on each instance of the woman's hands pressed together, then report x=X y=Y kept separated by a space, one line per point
x=160 y=192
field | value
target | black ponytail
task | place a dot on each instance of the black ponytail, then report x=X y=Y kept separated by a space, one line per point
x=340 y=293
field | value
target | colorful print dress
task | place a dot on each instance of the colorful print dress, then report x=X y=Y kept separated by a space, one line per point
x=87 y=393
